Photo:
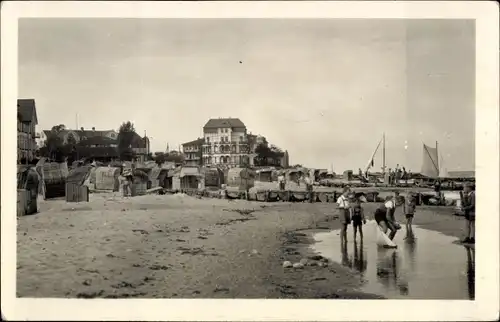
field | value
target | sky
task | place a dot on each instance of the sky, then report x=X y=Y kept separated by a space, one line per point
x=325 y=90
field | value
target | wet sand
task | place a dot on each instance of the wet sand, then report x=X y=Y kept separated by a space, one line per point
x=183 y=247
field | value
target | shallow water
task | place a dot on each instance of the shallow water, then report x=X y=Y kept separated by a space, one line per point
x=427 y=265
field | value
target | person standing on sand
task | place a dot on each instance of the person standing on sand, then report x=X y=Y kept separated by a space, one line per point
x=469 y=208
x=281 y=181
x=127 y=182
x=345 y=216
x=357 y=215
x=309 y=188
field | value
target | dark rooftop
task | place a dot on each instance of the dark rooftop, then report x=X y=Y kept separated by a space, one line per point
x=224 y=122
x=27 y=110
x=97 y=140
x=195 y=142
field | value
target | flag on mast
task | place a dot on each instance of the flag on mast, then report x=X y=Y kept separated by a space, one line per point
x=371 y=162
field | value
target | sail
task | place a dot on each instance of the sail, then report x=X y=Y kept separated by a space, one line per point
x=430 y=162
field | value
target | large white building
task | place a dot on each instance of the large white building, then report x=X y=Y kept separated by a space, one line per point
x=225 y=143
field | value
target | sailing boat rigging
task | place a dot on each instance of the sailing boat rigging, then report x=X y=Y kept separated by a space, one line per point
x=371 y=162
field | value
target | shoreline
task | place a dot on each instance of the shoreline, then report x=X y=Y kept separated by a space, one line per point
x=333 y=281
x=178 y=246
x=351 y=290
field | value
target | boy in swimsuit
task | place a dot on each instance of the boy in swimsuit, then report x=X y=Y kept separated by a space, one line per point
x=409 y=210
x=384 y=216
x=345 y=216
x=357 y=216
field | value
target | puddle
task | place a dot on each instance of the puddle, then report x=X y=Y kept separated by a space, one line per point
x=428 y=265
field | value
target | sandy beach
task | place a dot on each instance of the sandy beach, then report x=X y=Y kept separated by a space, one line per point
x=176 y=246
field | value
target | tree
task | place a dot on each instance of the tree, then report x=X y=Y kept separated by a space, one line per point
x=174 y=157
x=160 y=158
x=71 y=141
x=58 y=128
x=54 y=143
x=264 y=154
x=125 y=137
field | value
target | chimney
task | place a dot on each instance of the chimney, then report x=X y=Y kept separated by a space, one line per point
x=93 y=128
x=81 y=128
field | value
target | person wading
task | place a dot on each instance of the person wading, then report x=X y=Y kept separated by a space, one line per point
x=409 y=211
x=345 y=216
x=384 y=216
x=469 y=208
x=357 y=215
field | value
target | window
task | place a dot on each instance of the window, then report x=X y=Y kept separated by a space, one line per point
x=208 y=139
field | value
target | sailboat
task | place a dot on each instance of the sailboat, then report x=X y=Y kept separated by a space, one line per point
x=430 y=162
x=371 y=161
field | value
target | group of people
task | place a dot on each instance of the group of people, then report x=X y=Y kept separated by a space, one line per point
x=353 y=212
x=308 y=181
x=392 y=177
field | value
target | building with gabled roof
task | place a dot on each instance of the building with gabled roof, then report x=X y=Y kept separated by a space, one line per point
x=101 y=142
x=225 y=143
x=233 y=123
x=27 y=120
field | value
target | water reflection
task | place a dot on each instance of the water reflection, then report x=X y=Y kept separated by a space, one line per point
x=360 y=262
x=471 y=272
x=357 y=262
x=436 y=268
x=410 y=247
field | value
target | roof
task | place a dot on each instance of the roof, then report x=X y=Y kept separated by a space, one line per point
x=78 y=175
x=105 y=151
x=27 y=109
x=189 y=171
x=223 y=122
x=195 y=142
x=137 y=140
x=86 y=133
x=97 y=140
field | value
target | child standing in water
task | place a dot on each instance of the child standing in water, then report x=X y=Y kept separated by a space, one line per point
x=345 y=216
x=409 y=210
x=357 y=215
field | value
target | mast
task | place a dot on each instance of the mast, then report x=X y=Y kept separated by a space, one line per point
x=383 y=154
x=373 y=155
x=437 y=159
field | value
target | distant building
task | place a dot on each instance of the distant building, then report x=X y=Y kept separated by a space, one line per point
x=101 y=143
x=193 y=152
x=225 y=143
x=27 y=121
